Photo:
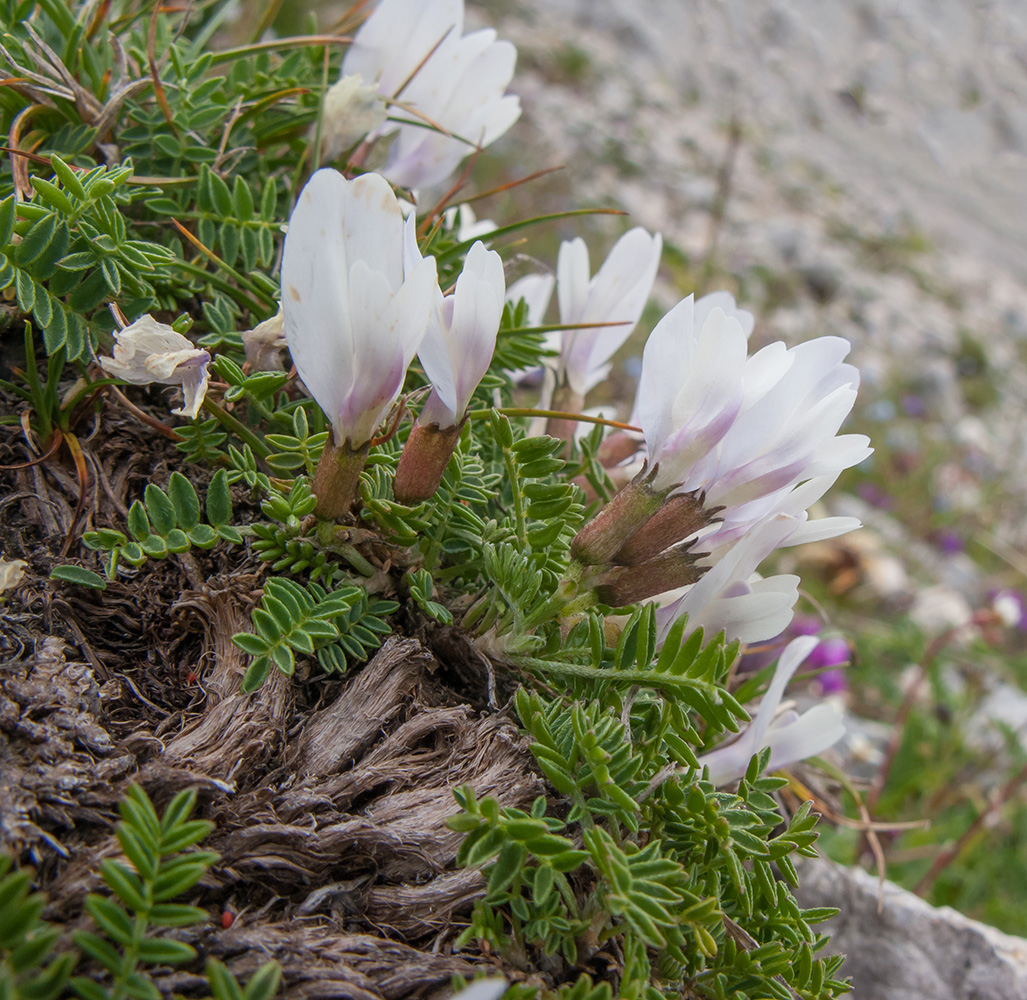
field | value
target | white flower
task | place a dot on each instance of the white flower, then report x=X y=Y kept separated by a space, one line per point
x=690 y=390
x=352 y=110
x=356 y=297
x=396 y=39
x=756 y=435
x=616 y=294
x=791 y=737
x=415 y=51
x=148 y=351
x=459 y=345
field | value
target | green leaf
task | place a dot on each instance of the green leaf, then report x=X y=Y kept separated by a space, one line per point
x=185 y=835
x=154 y=547
x=36 y=240
x=139 y=987
x=221 y=195
x=126 y=885
x=67 y=176
x=263 y=984
x=203 y=536
x=7 y=217
x=98 y=949
x=255 y=645
x=162 y=951
x=52 y=195
x=219 y=500
x=256 y=674
x=116 y=923
x=24 y=290
x=223 y=984
x=138 y=522
x=184 y=501
x=159 y=508
x=48 y=984
x=176 y=915
x=87 y=989
x=80 y=575
x=136 y=851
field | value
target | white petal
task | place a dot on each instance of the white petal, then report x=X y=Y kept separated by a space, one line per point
x=788 y=662
x=666 y=358
x=457 y=350
x=536 y=290
x=572 y=274
x=394 y=40
x=811 y=734
x=356 y=298
x=616 y=295
x=726 y=302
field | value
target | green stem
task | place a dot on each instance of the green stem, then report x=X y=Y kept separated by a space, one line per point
x=518 y=499
x=237 y=427
x=257 y=308
x=37 y=391
x=530 y=411
x=646 y=678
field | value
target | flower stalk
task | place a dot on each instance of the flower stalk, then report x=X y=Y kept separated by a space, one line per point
x=337 y=479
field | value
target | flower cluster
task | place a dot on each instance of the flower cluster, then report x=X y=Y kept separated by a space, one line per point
x=359 y=301
x=734 y=449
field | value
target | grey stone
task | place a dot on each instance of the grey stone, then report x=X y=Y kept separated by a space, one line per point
x=910 y=950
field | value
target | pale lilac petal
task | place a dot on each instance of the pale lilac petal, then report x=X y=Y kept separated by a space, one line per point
x=457 y=350
x=727 y=578
x=791 y=657
x=572 y=275
x=194 y=378
x=790 y=737
x=666 y=358
x=147 y=351
x=461 y=89
x=483 y=989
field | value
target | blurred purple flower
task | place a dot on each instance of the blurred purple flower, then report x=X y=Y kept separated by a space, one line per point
x=831 y=651
x=872 y=494
x=833 y=682
x=914 y=405
x=948 y=541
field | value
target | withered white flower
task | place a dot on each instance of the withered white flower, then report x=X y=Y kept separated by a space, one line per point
x=12 y=571
x=147 y=351
x=264 y=344
x=352 y=110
